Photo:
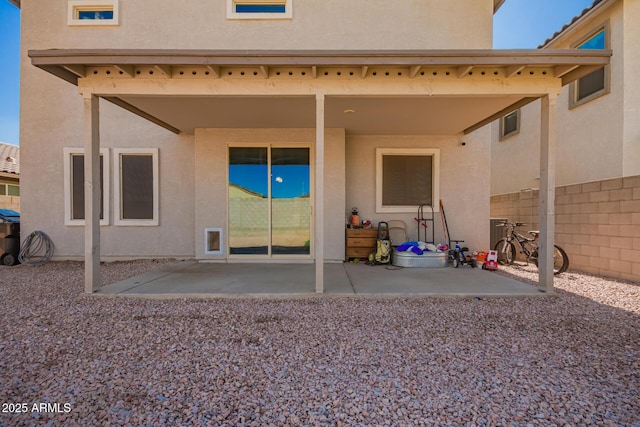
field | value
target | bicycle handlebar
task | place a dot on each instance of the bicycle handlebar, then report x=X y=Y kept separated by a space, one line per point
x=514 y=224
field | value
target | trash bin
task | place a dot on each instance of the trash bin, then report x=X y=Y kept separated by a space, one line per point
x=9 y=237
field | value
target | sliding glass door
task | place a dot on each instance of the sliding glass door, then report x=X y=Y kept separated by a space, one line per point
x=269 y=201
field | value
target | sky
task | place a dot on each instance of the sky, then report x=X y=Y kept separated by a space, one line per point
x=519 y=24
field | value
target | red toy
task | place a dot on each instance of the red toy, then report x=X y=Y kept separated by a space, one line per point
x=491 y=263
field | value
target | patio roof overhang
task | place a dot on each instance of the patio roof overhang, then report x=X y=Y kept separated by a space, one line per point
x=391 y=92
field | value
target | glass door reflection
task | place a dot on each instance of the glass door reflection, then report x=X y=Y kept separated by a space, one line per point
x=290 y=201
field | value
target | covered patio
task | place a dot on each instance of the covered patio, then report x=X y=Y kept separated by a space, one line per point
x=191 y=279
x=393 y=92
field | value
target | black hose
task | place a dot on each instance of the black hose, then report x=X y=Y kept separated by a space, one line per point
x=37 y=249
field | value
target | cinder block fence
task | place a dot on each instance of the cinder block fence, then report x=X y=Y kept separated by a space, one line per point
x=597 y=223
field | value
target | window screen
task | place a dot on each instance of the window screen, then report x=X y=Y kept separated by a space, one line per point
x=77 y=187
x=596 y=81
x=407 y=180
x=136 y=186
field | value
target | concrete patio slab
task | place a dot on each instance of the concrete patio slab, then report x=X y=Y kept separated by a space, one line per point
x=191 y=279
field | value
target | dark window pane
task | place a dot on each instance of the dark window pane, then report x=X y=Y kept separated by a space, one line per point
x=95 y=14
x=591 y=84
x=407 y=180
x=137 y=186
x=77 y=187
x=510 y=123
x=3 y=190
x=260 y=8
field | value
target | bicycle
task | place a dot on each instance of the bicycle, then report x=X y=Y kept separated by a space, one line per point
x=506 y=248
x=458 y=257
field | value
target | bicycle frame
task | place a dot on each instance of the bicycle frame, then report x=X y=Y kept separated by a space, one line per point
x=527 y=245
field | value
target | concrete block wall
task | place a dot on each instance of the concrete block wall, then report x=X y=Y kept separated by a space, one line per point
x=597 y=223
x=10 y=202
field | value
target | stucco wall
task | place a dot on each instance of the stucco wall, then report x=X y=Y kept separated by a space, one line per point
x=316 y=24
x=464 y=183
x=631 y=159
x=42 y=200
x=211 y=178
x=596 y=140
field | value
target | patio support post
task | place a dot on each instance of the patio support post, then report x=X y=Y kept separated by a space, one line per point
x=91 y=193
x=319 y=194
x=547 y=190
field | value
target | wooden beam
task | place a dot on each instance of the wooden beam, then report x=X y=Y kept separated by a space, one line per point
x=513 y=70
x=92 y=180
x=414 y=70
x=164 y=69
x=215 y=70
x=561 y=70
x=503 y=112
x=363 y=71
x=127 y=69
x=578 y=73
x=463 y=70
x=314 y=71
x=546 y=211
x=264 y=70
x=123 y=104
x=319 y=193
x=78 y=70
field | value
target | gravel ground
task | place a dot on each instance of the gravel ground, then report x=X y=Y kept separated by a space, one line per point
x=71 y=359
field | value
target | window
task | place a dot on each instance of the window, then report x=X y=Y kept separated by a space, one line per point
x=96 y=12
x=74 y=186
x=597 y=83
x=136 y=186
x=259 y=9
x=407 y=178
x=9 y=190
x=510 y=124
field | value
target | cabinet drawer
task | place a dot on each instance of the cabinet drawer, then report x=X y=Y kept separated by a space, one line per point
x=362 y=232
x=366 y=242
x=358 y=252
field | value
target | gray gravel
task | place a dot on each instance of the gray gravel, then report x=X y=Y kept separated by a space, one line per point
x=571 y=359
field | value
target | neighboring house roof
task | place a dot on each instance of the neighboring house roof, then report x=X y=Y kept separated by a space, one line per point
x=9 y=158
x=16 y=2
x=573 y=21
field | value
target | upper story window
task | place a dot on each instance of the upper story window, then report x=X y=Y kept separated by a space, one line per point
x=510 y=124
x=93 y=12
x=259 y=9
x=597 y=83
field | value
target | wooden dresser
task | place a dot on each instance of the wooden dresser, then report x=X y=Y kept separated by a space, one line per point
x=360 y=242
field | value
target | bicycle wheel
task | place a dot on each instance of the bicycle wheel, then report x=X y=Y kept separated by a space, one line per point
x=506 y=252
x=560 y=260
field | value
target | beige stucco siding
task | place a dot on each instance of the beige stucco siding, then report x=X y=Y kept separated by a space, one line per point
x=316 y=24
x=464 y=183
x=43 y=177
x=596 y=140
x=631 y=107
x=211 y=180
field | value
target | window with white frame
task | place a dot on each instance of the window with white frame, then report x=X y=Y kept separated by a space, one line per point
x=74 y=186
x=596 y=83
x=136 y=186
x=407 y=178
x=510 y=124
x=259 y=9
x=93 y=12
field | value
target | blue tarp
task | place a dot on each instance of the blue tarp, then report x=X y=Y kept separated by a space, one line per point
x=7 y=215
